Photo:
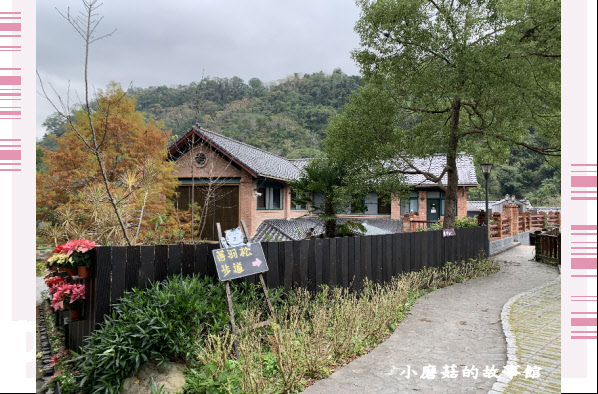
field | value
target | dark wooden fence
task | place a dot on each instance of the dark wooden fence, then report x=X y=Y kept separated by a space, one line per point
x=343 y=261
x=548 y=247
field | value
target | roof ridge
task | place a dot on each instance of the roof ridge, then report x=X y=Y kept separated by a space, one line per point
x=201 y=130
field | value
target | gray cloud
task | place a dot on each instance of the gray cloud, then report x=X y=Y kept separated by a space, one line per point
x=172 y=42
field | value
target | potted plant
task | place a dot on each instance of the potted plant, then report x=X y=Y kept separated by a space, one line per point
x=59 y=261
x=68 y=296
x=77 y=251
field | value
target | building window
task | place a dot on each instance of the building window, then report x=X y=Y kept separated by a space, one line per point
x=295 y=206
x=269 y=198
x=201 y=159
x=409 y=204
x=383 y=207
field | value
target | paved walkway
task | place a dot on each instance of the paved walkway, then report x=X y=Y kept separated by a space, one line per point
x=459 y=325
x=40 y=286
x=535 y=320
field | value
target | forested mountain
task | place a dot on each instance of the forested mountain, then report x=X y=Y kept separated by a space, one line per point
x=289 y=116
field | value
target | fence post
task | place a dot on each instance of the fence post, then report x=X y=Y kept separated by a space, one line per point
x=558 y=218
x=497 y=218
x=511 y=212
x=544 y=218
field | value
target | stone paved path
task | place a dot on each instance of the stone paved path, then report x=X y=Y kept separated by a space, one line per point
x=457 y=325
x=536 y=323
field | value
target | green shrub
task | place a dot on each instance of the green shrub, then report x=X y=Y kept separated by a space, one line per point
x=40 y=268
x=166 y=321
x=460 y=222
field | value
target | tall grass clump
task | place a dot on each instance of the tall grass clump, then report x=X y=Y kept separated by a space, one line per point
x=314 y=333
x=163 y=322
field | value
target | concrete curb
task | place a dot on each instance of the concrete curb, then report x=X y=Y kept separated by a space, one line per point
x=503 y=381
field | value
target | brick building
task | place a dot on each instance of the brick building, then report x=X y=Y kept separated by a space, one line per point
x=234 y=181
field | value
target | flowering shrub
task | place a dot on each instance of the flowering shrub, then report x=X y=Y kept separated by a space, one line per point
x=66 y=294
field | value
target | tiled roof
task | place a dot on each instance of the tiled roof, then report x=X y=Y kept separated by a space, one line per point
x=259 y=162
x=435 y=165
x=300 y=163
x=262 y=163
x=297 y=229
x=265 y=164
x=479 y=205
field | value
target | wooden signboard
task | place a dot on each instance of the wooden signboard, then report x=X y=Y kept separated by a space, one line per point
x=239 y=261
x=239 y=258
x=449 y=232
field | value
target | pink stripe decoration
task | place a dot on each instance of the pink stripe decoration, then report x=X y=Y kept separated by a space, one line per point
x=10 y=80
x=583 y=181
x=583 y=313
x=10 y=155
x=10 y=27
x=583 y=264
x=10 y=112
x=583 y=227
x=577 y=337
x=10 y=169
x=10 y=164
x=11 y=94
x=584 y=321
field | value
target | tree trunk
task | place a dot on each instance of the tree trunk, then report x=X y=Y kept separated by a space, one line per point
x=451 y=162
x=330 y=225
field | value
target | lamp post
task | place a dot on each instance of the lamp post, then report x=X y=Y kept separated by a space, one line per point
x=486 y=169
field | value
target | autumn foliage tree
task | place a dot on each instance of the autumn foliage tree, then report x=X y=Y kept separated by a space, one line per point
x=72 y=194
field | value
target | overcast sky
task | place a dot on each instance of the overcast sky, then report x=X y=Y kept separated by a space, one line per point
x=172 y=42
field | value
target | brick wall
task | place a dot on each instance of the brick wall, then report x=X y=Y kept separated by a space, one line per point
x=214 y=167
x=462 y=201
x=422 y=205
x=511 y=212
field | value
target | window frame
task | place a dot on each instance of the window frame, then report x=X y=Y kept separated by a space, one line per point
x=388 y=204
x=413 y=197
x=268 y=194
